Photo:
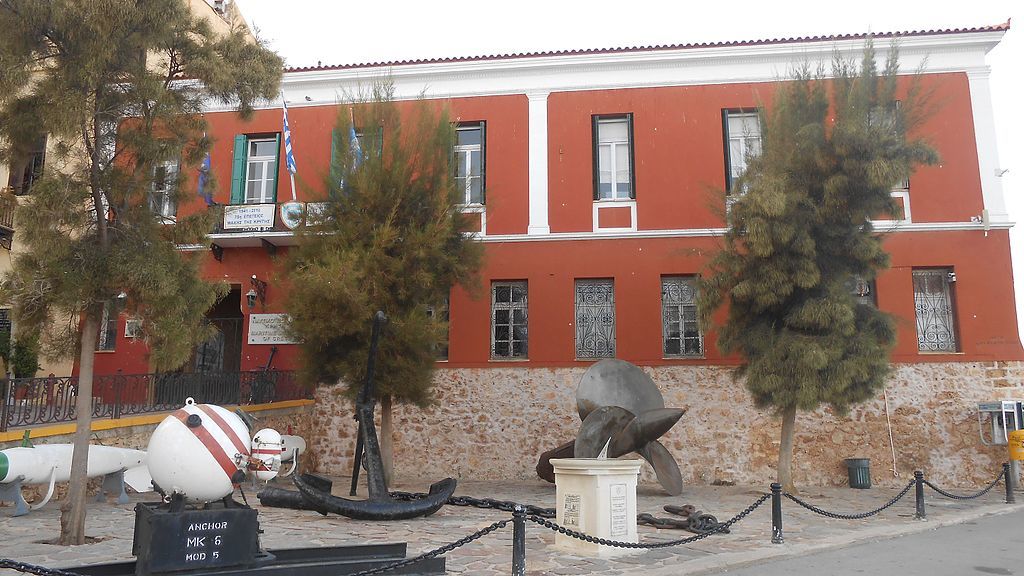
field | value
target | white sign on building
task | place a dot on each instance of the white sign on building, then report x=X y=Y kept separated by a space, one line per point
x=269 y=329
x=248 y=216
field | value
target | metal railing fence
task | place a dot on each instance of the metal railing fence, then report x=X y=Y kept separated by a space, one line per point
x=34 y=401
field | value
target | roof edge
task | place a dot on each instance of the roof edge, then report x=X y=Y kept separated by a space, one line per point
x=1005 y=26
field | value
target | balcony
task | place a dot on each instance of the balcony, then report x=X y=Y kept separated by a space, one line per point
x=34 y=401
x=259 y=225
x=8 y=203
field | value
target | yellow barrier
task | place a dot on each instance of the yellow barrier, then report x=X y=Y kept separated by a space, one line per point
x=1016 y=444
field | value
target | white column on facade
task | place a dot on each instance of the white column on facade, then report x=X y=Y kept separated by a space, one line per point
x=538 y=165
x=985 y=140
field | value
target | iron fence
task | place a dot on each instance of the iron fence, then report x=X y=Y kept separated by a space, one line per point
x=33 y=401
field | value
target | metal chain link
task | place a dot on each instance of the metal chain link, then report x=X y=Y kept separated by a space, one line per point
x=724 y=526
x=967 y=496
x=485 y=503
x=435 y=552
x=34 y=569
x=860 y=516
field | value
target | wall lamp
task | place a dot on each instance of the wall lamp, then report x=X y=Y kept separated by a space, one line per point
x=257 y=292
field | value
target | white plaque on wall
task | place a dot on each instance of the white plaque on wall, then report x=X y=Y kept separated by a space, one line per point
x=269 y=329
x=246 y=216
x=619 y=509
x=571 y=510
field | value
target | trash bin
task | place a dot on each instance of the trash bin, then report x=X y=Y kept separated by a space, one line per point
x=859 y=470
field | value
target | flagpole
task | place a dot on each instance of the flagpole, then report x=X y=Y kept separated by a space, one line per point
x=292 y=178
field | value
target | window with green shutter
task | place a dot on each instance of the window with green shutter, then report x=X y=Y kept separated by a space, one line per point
x=254 y=171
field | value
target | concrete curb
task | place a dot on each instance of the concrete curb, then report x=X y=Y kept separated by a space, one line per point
x=733 y=560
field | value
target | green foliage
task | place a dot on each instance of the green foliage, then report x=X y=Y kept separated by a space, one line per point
x=802 y=230
x=89 y=73
x=390 y=239
x=21 y=357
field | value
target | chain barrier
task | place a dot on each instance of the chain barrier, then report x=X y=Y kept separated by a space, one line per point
x=435 y=552
x=43 y=571
x=967 y=496
x=541 y=516
x=34 y=569
x=484 y=503
x=860 y=516
x=723 y=527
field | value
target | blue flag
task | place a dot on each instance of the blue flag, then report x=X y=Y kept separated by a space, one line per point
x=353 y=142
x=204 y=173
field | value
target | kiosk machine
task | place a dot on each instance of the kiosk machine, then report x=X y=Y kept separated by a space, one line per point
x=996 y=420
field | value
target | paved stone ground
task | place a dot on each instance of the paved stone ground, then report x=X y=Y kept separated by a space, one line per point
x=750 y=541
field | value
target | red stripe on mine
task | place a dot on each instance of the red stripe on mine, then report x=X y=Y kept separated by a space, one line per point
x=240 y=445
x=211 y=444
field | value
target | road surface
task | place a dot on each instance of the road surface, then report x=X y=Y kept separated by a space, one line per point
x=990 y=545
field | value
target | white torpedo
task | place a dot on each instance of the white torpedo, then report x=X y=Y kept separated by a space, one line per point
x=51 y=463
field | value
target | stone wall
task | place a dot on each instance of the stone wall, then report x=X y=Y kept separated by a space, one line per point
x=493 y=423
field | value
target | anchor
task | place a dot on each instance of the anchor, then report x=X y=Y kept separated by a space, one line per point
x=316 y=495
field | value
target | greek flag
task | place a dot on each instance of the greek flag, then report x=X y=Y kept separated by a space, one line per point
x=289 y=158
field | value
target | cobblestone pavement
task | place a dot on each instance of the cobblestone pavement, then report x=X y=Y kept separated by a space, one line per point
x=25 y=538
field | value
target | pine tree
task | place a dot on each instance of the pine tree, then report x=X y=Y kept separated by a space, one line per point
x=118 y=87
x=389 y=239
x=800 y=233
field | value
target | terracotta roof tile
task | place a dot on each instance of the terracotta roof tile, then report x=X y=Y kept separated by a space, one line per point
x=660 y=47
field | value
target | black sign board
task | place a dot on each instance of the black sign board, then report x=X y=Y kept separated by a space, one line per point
x=193 y=539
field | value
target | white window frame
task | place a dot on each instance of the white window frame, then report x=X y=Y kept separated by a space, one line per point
x=265 y=195
x=466 y=152
x=618 y=191
x=162 y=201
x=745 y=141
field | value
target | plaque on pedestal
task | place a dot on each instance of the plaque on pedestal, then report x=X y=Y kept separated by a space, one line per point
x=192 y=540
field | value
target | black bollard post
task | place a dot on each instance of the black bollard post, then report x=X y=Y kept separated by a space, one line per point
x=1008 y=481
x=776 y=513
x=518 y=541
x=919 y=494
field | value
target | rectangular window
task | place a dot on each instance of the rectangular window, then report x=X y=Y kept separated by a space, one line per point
x=108 y=328
x=439 y=313
x=613 y=157
x=254 y=169
x=680 y=331
x=595 y=319
x=469 y=162
x=163 y=197
x=27 y=167
x=742 y=142
x=261 y=171
x=508 y=320
x=934 y=307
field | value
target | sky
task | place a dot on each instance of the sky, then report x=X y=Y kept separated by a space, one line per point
x=306 y=32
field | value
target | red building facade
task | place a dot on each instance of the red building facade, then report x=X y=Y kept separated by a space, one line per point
x=603 y=174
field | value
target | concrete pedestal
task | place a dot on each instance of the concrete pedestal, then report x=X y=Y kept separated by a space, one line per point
x=597 y=497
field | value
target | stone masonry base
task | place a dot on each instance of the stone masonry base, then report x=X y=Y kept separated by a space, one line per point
x=493 y=423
